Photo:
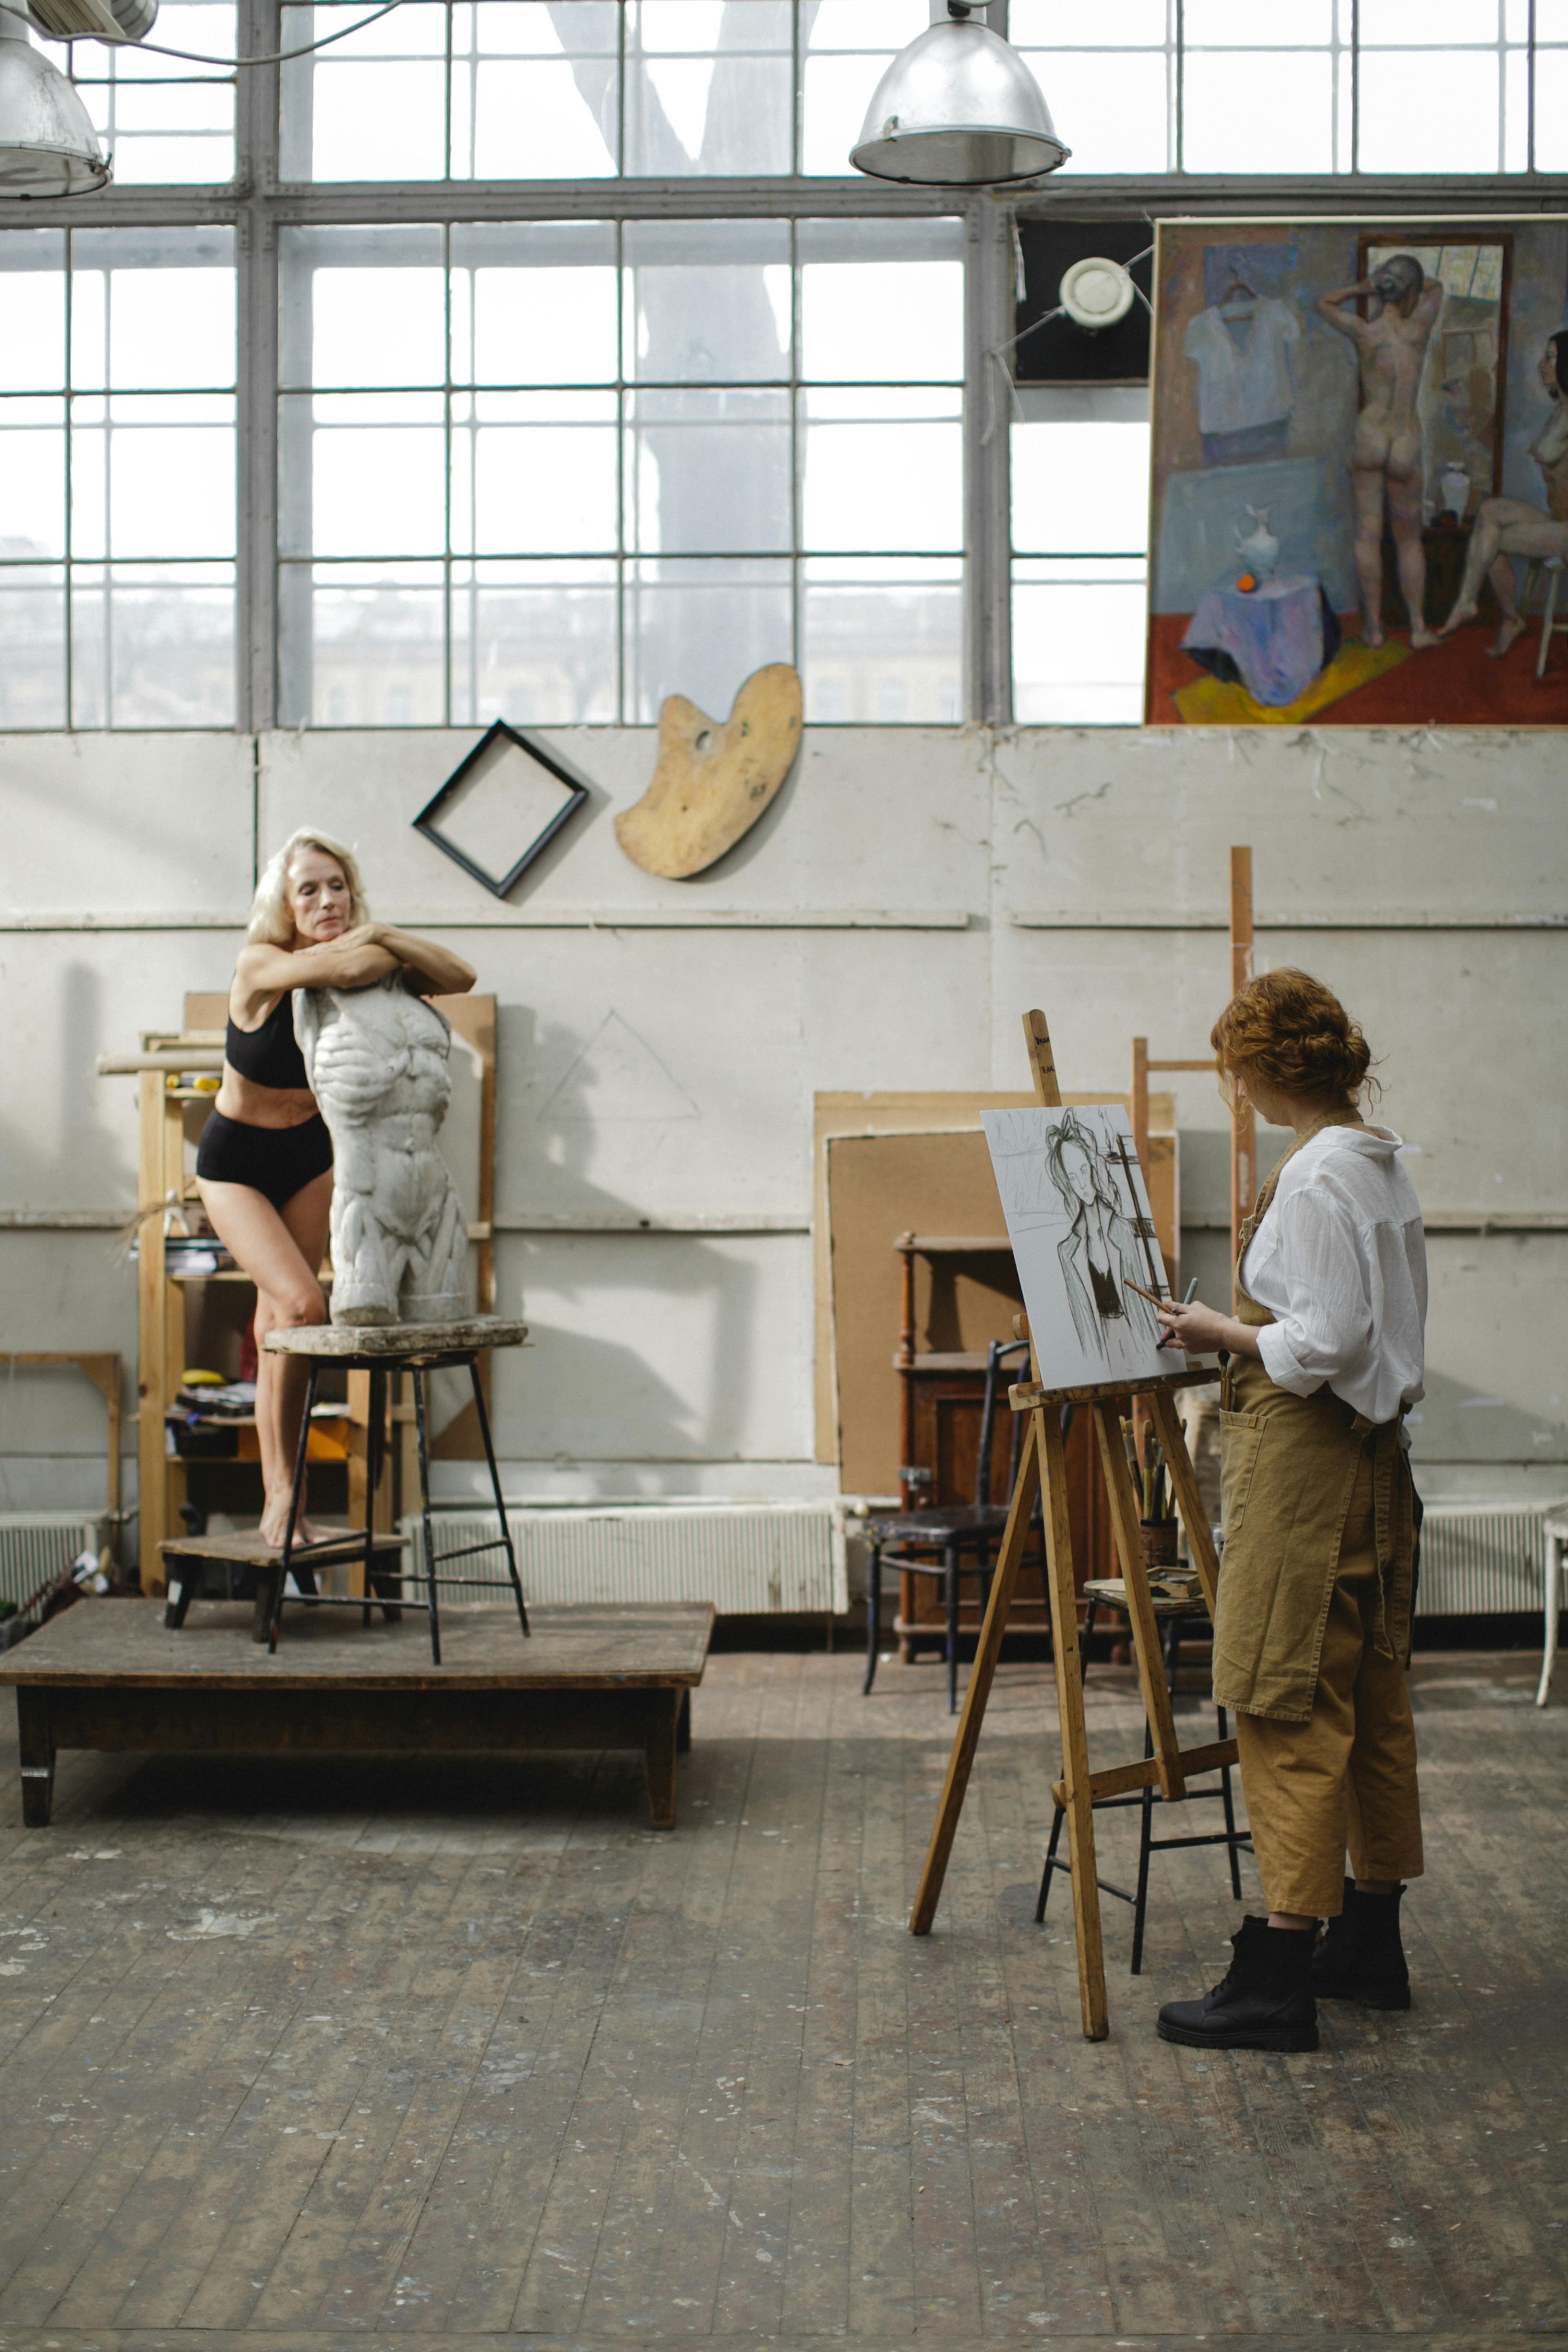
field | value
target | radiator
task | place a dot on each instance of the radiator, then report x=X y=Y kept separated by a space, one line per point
x=1481 y=1559
x=38 y=1546
x=749 y=1558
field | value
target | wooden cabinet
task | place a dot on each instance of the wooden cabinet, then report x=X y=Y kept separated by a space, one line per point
x=944 y=1398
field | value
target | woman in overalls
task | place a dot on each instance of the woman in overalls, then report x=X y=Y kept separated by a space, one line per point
x=1312 y=1628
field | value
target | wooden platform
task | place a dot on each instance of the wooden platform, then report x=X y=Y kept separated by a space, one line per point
x=110 y=1674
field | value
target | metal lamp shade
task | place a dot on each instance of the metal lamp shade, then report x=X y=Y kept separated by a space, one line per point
x=958 y=108
x=47 y=143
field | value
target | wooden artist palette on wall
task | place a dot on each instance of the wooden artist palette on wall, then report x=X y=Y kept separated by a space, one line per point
x=713 y=782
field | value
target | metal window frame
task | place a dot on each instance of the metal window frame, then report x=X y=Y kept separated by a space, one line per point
x=259 y=206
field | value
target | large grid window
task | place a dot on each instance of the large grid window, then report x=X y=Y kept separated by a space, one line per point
x=117 y=462
x=556 y=472
x=466 y=89
x=1321 y=86
x=560 y=362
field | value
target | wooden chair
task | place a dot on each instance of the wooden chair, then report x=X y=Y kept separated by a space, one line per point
x=963 y=1535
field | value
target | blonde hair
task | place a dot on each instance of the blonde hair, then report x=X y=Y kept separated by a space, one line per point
x=270 y=921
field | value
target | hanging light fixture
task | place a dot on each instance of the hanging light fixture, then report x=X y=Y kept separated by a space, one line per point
x=958 y=108
x=47 y=144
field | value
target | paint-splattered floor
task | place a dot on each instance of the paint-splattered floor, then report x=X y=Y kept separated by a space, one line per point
x=319 y=2054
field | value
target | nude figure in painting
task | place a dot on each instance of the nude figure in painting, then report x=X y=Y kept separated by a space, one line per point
x=1506 y=527
x=1403 y=305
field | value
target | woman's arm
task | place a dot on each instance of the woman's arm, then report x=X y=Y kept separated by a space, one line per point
x=264 y=973
x=447 y=975
x=1203 y=1331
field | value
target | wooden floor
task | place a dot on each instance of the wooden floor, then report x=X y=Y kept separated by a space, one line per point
x=313 y=2055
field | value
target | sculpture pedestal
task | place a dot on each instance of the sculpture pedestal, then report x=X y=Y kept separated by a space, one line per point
x=418 y=1349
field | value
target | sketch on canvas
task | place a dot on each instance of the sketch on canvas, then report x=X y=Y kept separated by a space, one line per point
x=1082 y=1232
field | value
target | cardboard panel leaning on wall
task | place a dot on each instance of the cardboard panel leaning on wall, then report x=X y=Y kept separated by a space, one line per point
x=878 y=1186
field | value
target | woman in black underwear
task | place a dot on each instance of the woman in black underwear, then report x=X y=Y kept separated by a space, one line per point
x=265 y=1165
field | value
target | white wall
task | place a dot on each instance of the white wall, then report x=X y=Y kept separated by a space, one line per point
x=669 y=1072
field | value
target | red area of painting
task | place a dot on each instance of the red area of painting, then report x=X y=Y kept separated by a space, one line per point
x=1456 y=684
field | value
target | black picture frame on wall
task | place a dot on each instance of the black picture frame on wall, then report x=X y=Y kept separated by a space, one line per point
x=498 y=741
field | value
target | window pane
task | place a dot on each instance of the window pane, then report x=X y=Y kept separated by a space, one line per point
x=701 y=629
x=32 y=310
x=362 y=306
x=708 y=86
x=877 y=304
x=153 y=647
x=543 y=473
x=32 y=646
x=378 y=474
x=535 y=91
x=883 y=471
x=1120 y=23
x=534 y=644
x=1078 y=645
x=1111 y=108
x=1431 y=25
x=153 y=307
x=707 y=301
x=169 y=471
x=534 y=304
x=369 y=641
x=1424 y=111
x=32 y=479
x=882 y=644
x=850 y=44
x=1080 y=485
x=373 y=106
x=1552 y=110
x=1257 y=111
x=1241 y=24
x=708 y=472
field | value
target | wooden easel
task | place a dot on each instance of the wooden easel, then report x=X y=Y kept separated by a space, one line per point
x=1042 y=1468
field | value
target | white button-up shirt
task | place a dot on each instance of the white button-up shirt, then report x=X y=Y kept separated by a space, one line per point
x=1340 y=1261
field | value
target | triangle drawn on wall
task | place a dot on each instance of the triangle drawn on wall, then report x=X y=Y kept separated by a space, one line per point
x=617 y=1076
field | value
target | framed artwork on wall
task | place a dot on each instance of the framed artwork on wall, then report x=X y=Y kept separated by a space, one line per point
x=1359 y=505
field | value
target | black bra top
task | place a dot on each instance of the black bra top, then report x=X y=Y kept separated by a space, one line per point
x=271 y=1056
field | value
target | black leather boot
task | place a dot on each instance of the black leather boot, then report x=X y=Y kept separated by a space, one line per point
x=1361 y=1956
x=1264 y=2000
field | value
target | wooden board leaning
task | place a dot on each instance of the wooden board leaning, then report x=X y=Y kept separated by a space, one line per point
x=1042 y=1472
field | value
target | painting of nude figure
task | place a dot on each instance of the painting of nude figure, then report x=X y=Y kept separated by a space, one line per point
x=1359 y=454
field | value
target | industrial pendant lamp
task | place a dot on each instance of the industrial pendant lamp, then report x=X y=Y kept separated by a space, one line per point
x=958 y=108
x=47 y=144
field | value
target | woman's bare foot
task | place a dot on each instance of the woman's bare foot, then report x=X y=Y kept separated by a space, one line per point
x=1508 y=634
x=275 y=1526
x=1456 y=619
x=1421 y=639
x=1371 y=636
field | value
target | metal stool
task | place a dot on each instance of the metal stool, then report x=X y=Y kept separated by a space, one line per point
x=1175 y=1614
x=416 y=1349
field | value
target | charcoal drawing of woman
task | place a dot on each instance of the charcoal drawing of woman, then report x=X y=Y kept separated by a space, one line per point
x=1099 y=1253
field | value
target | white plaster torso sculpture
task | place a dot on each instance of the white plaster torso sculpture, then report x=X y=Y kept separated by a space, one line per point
x=376 y=1058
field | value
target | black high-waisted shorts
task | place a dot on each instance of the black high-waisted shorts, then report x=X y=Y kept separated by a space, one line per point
x=276 y=1161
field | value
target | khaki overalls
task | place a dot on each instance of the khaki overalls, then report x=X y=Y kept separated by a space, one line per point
x=1312 y=1630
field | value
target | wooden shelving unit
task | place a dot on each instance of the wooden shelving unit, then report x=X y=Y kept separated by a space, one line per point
x=165 y=1097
